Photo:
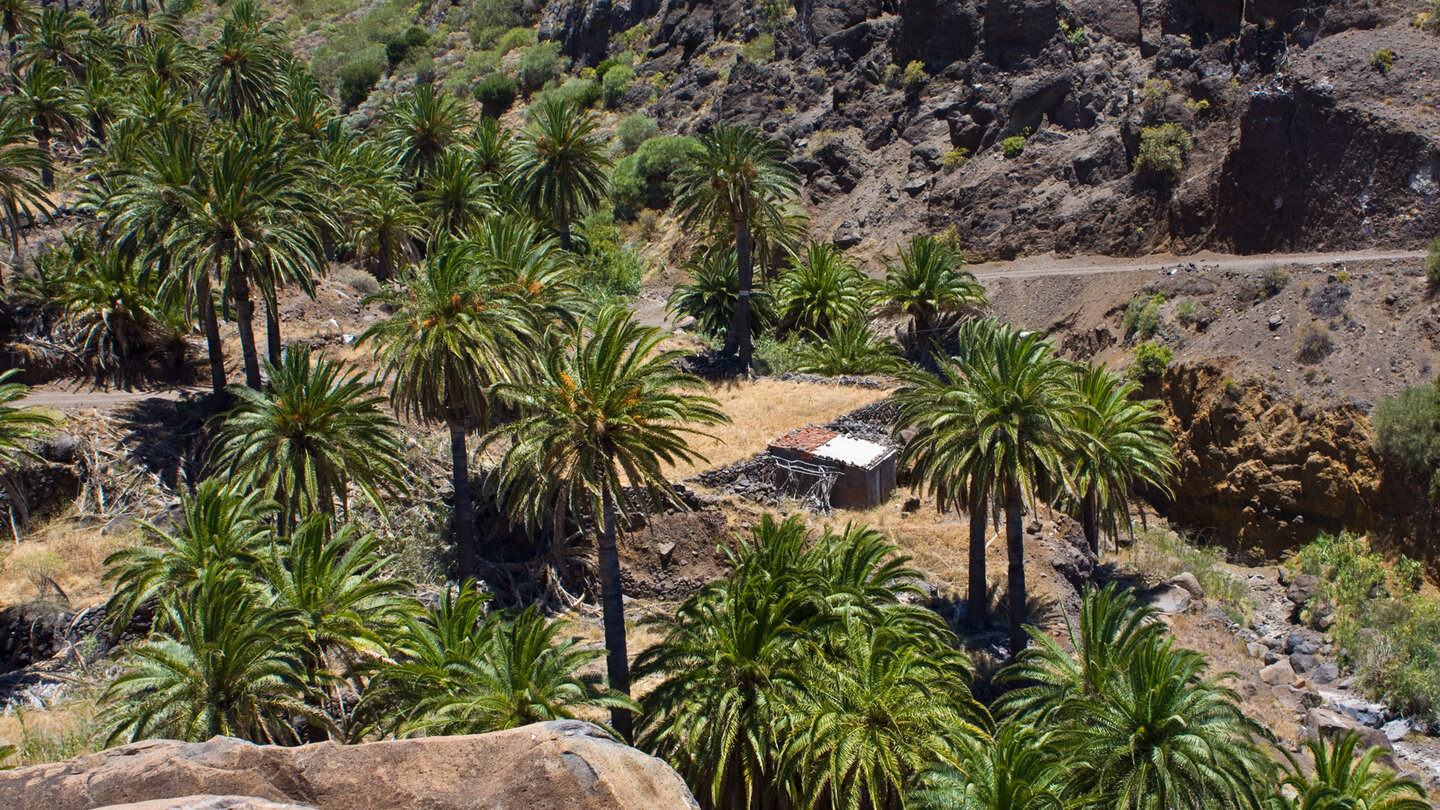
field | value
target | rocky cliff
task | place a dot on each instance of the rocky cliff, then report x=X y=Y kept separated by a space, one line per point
x=1299 y=141
x=548 y=766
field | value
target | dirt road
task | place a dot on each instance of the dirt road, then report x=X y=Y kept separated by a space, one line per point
x=75 y=398
x=1051 y=265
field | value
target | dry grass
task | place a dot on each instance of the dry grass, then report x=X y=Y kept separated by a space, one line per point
x=763 y=410
x=67 y=551
x=51 y=734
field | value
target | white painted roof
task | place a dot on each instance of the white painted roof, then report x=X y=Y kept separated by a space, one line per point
x=855 y=452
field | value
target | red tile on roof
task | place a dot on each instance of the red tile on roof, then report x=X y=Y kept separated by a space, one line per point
x=804 y=439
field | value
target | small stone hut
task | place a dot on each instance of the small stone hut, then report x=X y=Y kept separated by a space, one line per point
x=863 y=471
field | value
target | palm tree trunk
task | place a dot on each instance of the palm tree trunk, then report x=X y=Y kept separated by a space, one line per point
x=387 y=262
x=463 y=511
x=211 y=325
x=617 y=660
x=1015 y=543
x=272 y=332
x=562 y=224
x=977 y=603
x=245 y=319
x=739 y=336
x=47 y=169
x=1090 y=519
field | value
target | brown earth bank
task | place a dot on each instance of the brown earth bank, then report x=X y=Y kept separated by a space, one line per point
x=563 y=765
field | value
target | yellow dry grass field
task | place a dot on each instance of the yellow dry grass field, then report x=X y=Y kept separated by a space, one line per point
x=64 y=552
x=762 y=410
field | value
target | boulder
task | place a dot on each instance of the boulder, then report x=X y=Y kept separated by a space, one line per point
x=546 y=766
x=1168 y=599
x=1330 y=724
x=1325 y=673
x=1188 y=581
x=1278 y=673
x=1301 y=589
x=209 y=803
x=1304 y=663
x=936 y=32
x=1117 y=19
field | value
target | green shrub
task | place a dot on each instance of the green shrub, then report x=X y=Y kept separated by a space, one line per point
x=645 y=179
x=1429 y=20
x=776 y=357
x=496 y=14
x=1153 y=95
x=635 y=130
x=759 y=50
x=617 y=80
x=1383 y=60
x=1407 y=431
x=1163 y=150
x=520 y=38
x=1432 y=262
x=1013 y=146
x=398 y=48
x=608 y=268
x=496 y=93
x=541 y=64
x=955 y=158
x=1273 y=280
x=1314 y=343
x=1149 y=362
x=357 y=76
x=914 y=76
x=584 y=92
x=1142 y=315
x=1185 y=311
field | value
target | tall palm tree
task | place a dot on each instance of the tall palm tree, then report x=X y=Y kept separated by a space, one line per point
x=1021 y=771
x=1342 y=780
x=1001 y=411
x=315 y=431
x=1123 y=445
x=930 y=287
x=218 y=529
x=420 y=127
x=712 y=291
x=457 y=195
x=57 y=37
x=243 y=66
x=445 y=344
x=562 y=165
x=513 y=255
x=742 y=177
x=232 y=667
x=22 y=169
x=600 y=421
x=249 y=219
x=16 y=17
x=821 y=292
x=53 y=108
x=388 y=223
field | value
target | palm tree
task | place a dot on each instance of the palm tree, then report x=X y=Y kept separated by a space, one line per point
x=742 y=177
x=495 y=153
x=1112 y=630
x=389 y=220
x=883 y=711
x=231 y=668
x=445 y=344
x=995 y=426
x=1160 y=735
x=1020 y=771
x=929 y=286
x=457 y=195
x=22 y=168
x=562 y=165
x=16 y=17
x=421 y=127
x=1342 y=781
x=316 y=431
x=1124 y=445
x=58 y=37
x=513 y=256
x=822 y=291
x=170 y=58
x=111 y=312
x=53 y=108
x=599 y=422
x=250 y=219
x=243 y=73
x=218 y=529
x=18 y=427
x=711 y=292
x=853 y=348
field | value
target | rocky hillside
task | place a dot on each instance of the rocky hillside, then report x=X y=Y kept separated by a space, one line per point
x=1300 y=139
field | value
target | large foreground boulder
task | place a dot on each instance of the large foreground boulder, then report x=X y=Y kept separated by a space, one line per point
x=563 y=765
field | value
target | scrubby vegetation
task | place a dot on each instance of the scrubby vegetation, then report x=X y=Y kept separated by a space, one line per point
x=1163 y=150
x=1407 y=430
x=1149 y=362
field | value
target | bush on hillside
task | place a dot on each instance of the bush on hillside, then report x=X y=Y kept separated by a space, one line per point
x=399 y=47
x=1432 y=262
x=358 y=75
x=1149 y=362
x=617 y=80
x=1163 y=150
x=635 y=130
x=1142 y=316
x=1013 y=146
x=1273 y=280
x=517 y=38
x=541 y=64
x=1407 y=430
x=645 y=179
x=1314 y=343
x=496 y=93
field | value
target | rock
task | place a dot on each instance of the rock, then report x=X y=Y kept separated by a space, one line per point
x=1188 y=581
x=1396 y=730
x=1283 y=575
x=1117 y=19
x=208 y=803
x=60 y=449
x=937 y=32
x=547 y=766
x=1255 y=649
x=1302 y=589
x=1168 y=599
x=1275 y=322
x=1325 y=673
x=1298 y=701
x=687 y=323
x=1304 y=663
x=1331 y=724
x=1278 y=673
x=1294 y=641
x=1363 y=712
